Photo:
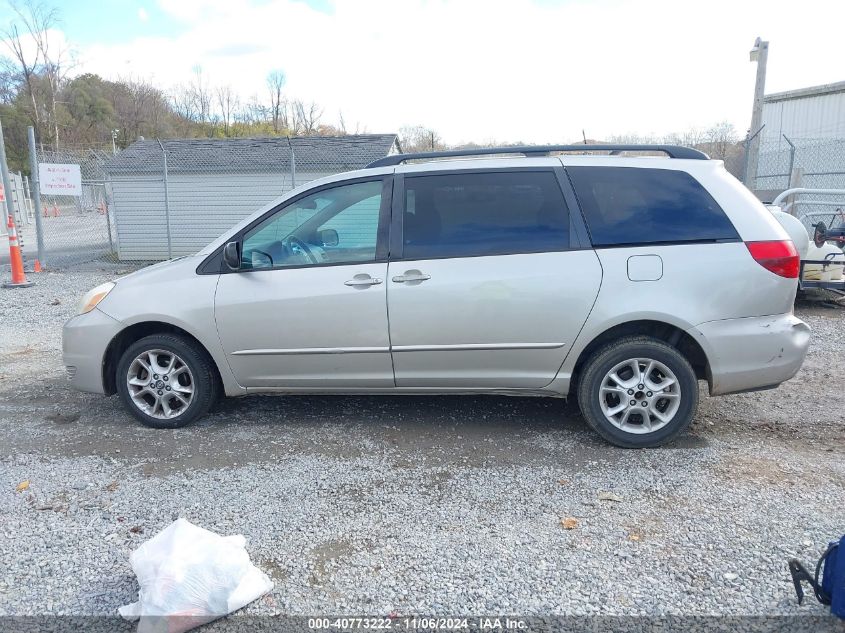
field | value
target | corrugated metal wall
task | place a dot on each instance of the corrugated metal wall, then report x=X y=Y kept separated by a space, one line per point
x=821 y=116
x=202 y=207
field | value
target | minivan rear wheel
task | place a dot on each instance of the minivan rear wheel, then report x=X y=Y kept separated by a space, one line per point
x=638 y=392
x=165 y=381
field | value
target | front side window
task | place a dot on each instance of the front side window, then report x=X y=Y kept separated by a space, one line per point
x=333 y=226
x=472 y=214
x=631 y=205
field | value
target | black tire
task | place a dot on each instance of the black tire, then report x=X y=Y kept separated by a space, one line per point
x=605 y=359
x=205 y=383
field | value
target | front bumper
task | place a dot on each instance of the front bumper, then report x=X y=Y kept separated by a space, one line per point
x=85 y=339
x=753 y=352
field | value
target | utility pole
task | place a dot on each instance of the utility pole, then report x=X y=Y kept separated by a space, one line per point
x=759 y=54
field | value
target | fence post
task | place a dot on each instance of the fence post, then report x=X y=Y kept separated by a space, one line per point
x=35 y=194
x=9 y=207
x=749 y=171
x=106 y=201
x=106 y=184
x=166 y=201
x=791 y=157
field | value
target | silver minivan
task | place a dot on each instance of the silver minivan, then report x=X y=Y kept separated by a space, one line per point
x=620 y=280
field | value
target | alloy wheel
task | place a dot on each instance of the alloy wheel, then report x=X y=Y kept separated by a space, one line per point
x=160 y=384
x=640 y=395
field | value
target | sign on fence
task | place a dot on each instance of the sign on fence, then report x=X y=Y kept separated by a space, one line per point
x=58 y=179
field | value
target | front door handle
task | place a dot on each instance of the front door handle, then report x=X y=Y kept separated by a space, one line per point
x=411 y=275
x=362 y=280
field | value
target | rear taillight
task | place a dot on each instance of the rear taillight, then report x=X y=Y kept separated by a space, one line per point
x=780 y=257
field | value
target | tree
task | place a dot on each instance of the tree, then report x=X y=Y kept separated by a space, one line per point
x=29 y=58
x=721 y=138
x=8 y=80
x=141 y=109
x=418 y=138
x=91 y=114
x=201 y=94
x=306 y=117
x=229 y=104
x=182 y=102
x=278 y=104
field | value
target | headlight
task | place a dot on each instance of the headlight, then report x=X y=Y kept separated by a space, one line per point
x=93 y=297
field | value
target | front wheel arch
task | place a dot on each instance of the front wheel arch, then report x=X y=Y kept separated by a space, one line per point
x=126 y=337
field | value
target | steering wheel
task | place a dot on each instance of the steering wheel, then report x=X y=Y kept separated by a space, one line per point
x=266 y=254
x=297 y=247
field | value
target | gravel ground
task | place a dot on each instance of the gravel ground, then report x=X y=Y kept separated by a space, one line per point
x=411 y=505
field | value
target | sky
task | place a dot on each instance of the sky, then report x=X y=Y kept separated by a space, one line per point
x=535 y=71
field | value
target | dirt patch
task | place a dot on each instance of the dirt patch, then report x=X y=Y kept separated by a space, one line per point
x=272 y=568
x=760 y=469
x=325 y=556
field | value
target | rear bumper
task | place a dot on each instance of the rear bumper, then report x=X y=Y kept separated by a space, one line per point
x=85 y=339
x=752 y=353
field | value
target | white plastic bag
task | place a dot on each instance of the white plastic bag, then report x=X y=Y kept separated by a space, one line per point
x=190 y=576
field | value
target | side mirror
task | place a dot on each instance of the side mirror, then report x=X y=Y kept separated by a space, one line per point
x=232 y=255
x=328 y=237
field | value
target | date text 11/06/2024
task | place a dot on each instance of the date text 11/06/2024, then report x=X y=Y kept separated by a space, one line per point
x=419 y=623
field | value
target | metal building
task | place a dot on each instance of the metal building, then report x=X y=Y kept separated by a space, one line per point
x=172 y=197
x=817 y=112
x=803 y=140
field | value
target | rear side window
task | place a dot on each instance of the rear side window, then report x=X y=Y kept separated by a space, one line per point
x=472 y=214
x=629 y=205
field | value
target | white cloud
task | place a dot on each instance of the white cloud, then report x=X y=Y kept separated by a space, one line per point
x=142 y=14
x=510 y=70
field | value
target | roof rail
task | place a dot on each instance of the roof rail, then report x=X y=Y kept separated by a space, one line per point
x=672 y=151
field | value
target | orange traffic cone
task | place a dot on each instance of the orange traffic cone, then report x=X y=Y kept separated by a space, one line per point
x=102 y=208
x=46 y=212
x=18 y=276
x=37 y=267
x=55 y=210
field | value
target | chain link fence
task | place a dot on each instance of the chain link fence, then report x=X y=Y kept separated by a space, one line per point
x=76 y=228
x=806 y=162
x=156 y=200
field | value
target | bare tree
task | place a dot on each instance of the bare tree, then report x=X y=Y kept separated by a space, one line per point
x=229 y=104
x=31 y=51
x=140 y=108
x=183 y=104
x=9 y=76
x=255 y=112
x=201 y=94
x=418 y=138
x=306 y=117
x=692 y=137
x=278 y=104
x=721 y=139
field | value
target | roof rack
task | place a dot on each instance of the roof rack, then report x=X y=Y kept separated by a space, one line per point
x=672 y=151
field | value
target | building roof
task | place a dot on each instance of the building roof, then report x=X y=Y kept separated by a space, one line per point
x=252 y=155
x=802 y=93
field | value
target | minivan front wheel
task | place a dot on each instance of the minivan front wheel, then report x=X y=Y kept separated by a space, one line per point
x=638 y=392
x=165 y=381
